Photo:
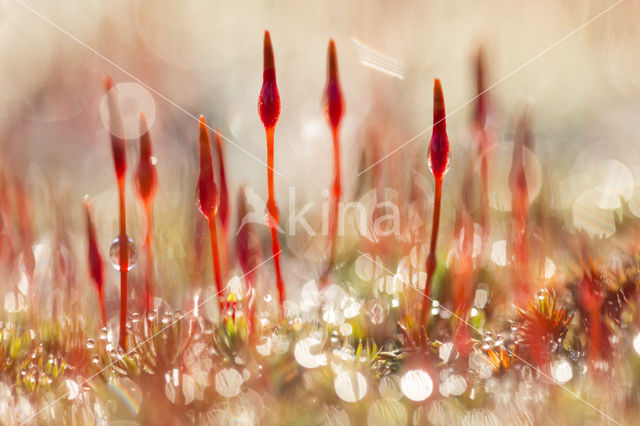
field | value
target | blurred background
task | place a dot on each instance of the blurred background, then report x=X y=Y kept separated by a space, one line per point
x=205 y=57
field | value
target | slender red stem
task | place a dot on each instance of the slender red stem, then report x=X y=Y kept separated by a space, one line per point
x=431 y=259
x=274 y=218
x=595 y=331
x=223 y=210
x=248 y=254
x=146 y=183
x=519 y=207
x=216 y=262
x=124 y=265
x=335 y=195
x=103 y=309
x=148 y=286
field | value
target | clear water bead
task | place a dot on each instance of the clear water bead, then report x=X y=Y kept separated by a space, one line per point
x=114 y=254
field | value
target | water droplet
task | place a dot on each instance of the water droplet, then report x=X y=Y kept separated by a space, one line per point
x=73 y=390
x=350 y=386
x=271 y=220
x=499 y=340
x=228 y=382
x=377 y=313
x=480 y=298
x=114 y=254
x=90 y=343
x=481 y=365
x=346 y=329
x=445 y=351
x=542 y=294
x=561 y=371
x=96 y=359
x=308 y=353
x=104 y=333
x=416 y=385
x=454 y=385
x=636 y=343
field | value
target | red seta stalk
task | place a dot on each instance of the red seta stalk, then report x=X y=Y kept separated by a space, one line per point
x=146 y=185
x=439 y=157
x=223 y=210
x=269 y=111
x=334 y=111
x=120 y=165
x=208 y=199
x=249 y=254
x=96 y=264
x=481 y=112
x=519 y=207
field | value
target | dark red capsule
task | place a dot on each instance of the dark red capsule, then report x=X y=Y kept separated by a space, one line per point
x=223 y=208
x=146 y=180
x=439 y=146
x=269 y=100
x=332 y=99
x=207 y=190
x=115 y=123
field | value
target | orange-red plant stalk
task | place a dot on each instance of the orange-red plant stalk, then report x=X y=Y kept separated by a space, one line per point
x=96 y=264
x=269 y=110
x=208 y=199
x=334 y=111
x=519 y=207
x=223 y=210
x=249 y=254
x=146 y=184
x=439 y=156
x=120 y=165
x=483 y=138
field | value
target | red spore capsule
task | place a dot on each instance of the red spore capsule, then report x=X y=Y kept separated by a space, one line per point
x=269 y=100
x=146 y=179
x=96 y=263
x=207 y=190
x=333 y=100
x=439 y=153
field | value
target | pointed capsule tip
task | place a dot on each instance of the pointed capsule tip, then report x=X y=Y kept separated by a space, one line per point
x=107 y=82
x=438 y=102
x=143 y=123
x=269 y=63
x=85 y=201
x=332 y=60
x=437 y=86
x=204 y=133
